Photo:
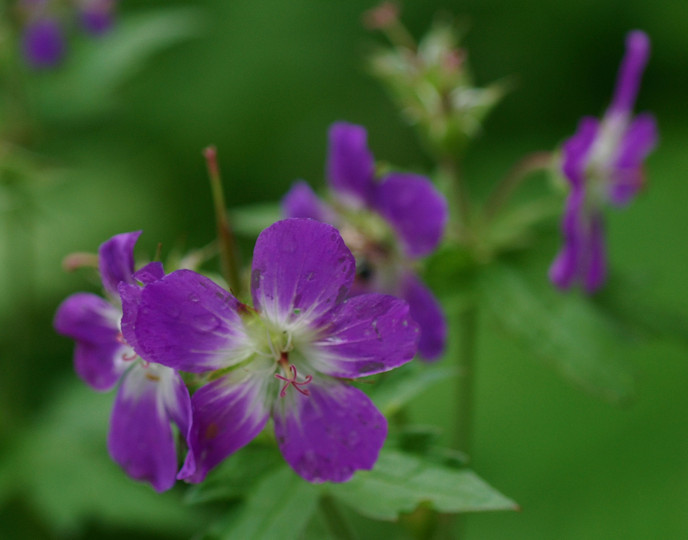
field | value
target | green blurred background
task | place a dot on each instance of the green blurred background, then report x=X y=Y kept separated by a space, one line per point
x=263 y=81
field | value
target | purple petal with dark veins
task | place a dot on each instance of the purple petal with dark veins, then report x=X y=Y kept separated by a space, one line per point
x=415 y=209
x=627 y=175
x=94 y=324
x=330 y=434
x=140 y=438
x=367 y=334
x=576 y=150
x=302 y=202
x=427 y=312
x=301 y=270
x=116 y=260
x=630 y=72
x=187 y=322
x=43 y=43
x=350 y=165
x=228 y=414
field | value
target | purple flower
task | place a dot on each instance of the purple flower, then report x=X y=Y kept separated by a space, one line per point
x=284 y=358
x=603 y=164
x=43 y=43
x=150 y=396
x=387 y=223
x=97 y=16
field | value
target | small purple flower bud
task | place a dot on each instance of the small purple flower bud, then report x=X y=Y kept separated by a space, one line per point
x=43 y=43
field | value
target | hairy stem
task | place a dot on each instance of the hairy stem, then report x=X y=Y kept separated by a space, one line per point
x=225 y=236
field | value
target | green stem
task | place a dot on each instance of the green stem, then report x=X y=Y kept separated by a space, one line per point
x=460 y=199
x=336 y=523
x=225 y=235
x=537 y=161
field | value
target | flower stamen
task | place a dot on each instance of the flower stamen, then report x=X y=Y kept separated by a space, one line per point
x=291 y=381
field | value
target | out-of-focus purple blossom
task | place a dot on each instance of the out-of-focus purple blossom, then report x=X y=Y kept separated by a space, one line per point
x=387 y=223
x=150 y=396
x=603 y=165
x=43 y=43
x=285 y=358
x=97 y=16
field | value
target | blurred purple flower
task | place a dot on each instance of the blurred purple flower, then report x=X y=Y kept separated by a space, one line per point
x=387 y=223
x=603 y=164
x=284 y=359
x=43 y=44
x=97 y=16
x=150 y=396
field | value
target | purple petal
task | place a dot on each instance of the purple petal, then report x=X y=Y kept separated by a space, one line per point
x=302 y=202
x=140 y=438
x=415 y=209
x=596 y=260
x=576 y=150
x=43 y=43
x=151 y=272
x=228 y=414
x=116 y=260
x=350 y=165
x=185 y=321
x=427 y=312
x=330 y=434
x=301 y=270
x=630 y=72
x=627 y=175
x=99 y=357
x=566 y=267
x=367 y=334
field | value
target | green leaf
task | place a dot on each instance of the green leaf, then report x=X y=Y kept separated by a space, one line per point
x=279 y=506
x=235 y=476
x=250 y=220
x=399 y=387
x=97 y=70
x=400 y=482
x=62 y=467
x=631 y=301
x=564 y=329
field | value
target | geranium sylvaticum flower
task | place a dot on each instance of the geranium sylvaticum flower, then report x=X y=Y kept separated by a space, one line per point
x=603 y=165
x=387 y=222
x=150 y=396
x=286 y=357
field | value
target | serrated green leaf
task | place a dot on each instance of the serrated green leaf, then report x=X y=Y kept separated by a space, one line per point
x=237 y=475
x=250 y=220
x=402 y=385
x=62 y=467
x=400 y=482
x=279 y=506
x=564 y=329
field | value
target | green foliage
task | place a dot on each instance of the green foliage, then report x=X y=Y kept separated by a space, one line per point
x=61 y=466
x=564 y=329
x=278 y=506
x=97 y=71
x=399 y=387
x=399 y=483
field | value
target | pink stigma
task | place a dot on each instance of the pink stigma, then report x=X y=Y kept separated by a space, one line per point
x=292 y=381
